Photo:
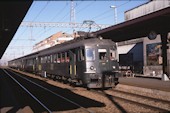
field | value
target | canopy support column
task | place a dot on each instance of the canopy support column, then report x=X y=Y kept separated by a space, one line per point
x=164 y=36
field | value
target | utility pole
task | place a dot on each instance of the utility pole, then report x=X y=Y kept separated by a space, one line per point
x=72 y=15
x=115 y=13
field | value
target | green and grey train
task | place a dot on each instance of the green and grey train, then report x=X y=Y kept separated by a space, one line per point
x=89 y=61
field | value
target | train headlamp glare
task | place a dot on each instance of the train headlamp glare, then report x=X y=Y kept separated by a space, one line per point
x=92 y=68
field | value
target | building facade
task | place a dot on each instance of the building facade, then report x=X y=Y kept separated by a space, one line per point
x=57 y=38
x=148 y=51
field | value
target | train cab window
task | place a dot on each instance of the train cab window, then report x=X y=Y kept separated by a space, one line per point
x=55 y=58
x=90 y=54
x=59 y=58
x=112 y=54
x=81 y=55
x=67 y=57
x=102 y=54
x=63 y=57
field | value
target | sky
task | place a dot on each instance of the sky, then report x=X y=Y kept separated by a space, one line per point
x=59 y=11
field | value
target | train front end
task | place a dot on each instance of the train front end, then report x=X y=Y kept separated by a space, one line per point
x=102 y=68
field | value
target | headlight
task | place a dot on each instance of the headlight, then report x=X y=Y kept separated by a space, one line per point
x=92 y=68
x=114 y=67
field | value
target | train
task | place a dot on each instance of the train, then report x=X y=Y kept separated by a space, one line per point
x=88 y=60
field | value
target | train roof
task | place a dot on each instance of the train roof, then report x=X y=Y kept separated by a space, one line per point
x=77 y=42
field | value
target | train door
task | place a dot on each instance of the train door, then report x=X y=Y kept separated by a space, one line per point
x=35 y=67
x=103 y=59
x=72 y=66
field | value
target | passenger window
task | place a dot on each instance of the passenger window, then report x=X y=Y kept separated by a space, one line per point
x=41 y=60
x=102 y=54
x=63 y=57
x=59 y=58
x=51 y=58
x=90 y=54
x=45 y=59
x=112 y=54
x=48 y=61
x=67 y=57
x=55 y=58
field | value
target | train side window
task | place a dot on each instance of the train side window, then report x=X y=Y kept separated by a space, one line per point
x=45 y=59
x=55 y=58
x=102 y=54
x=59 y=58
x=67 y=57
x=41 y=60
x=51 y=58
x=112 y=54
x=30 y=62
x=48 y=59
x=63 y=57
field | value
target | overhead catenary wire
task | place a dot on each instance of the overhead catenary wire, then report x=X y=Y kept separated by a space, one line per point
x=31 y=8
x=32 y=20
x=59 y=12
x=106 y=17
x=107 y=11
x=60 y=19
x=41 y=11
x=88 y=5
x=68 y=13
x=41 y=33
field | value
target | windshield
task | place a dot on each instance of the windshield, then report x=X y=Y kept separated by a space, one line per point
x=90 y=54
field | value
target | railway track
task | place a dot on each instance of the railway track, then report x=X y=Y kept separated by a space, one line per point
x=112 y=100
x=141 y=96
x=135 y=99
x=49 y=99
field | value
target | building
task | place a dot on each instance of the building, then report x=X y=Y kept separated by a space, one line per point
x=131 y=55
x=144 y=9
x=143 y=54
x=57 y=38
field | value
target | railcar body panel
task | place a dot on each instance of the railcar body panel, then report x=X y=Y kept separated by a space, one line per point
x=92 y=61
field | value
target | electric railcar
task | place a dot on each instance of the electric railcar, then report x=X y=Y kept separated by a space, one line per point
x=89 y=61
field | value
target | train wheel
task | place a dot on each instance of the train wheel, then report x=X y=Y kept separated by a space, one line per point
x=70 y=83
x=54 y=78
x=73 y=84
x=87 y=88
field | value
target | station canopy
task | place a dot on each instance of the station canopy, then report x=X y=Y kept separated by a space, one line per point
x=11 y=15
x=158 y=21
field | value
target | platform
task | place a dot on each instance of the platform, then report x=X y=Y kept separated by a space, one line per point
x=144 y=84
